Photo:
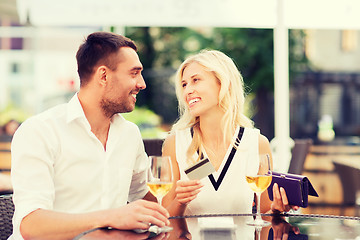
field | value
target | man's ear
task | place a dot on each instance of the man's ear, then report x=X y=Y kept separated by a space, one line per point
x=101 y=75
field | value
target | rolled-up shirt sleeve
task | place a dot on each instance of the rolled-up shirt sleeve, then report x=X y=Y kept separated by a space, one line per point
x=32 y=158
x=138 y=187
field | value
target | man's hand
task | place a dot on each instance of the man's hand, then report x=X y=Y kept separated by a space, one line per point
x=139 y=215
x=105 y=234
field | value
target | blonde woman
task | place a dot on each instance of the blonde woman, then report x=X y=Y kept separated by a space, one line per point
x=210 y=91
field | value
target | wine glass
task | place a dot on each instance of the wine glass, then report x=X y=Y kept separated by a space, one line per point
x=160 y=180
x=259 y=179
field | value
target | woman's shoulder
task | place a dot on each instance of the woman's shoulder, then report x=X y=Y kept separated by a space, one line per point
x=264 y=145
x=168 y=148
x=177 y=140
x=263 y=140
x=255 y=133
x=170 y=139
x=182 y=134
x=251 y=130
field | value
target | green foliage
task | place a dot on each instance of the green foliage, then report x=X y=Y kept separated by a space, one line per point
x=142 y=116
x=298 y=61
x=164 y=48
x=12 y=112
x=252 y=51
x=148 y=122
x=161 y=47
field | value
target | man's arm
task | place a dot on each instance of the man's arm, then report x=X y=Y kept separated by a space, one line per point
x=31 y=216
x=46 y=224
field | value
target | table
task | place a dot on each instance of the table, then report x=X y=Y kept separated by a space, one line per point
x=233 y=227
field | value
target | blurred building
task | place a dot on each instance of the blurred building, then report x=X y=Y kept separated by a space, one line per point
x=331 y=87
x=38 y=70
x=38 y=65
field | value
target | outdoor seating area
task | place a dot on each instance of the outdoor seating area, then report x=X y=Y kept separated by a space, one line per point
x=257 y=102
x=333 y=170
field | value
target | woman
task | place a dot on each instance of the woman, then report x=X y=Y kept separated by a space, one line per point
x=211 y=99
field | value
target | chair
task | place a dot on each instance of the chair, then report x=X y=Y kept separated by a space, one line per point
x=153 y=146
x=299 y=154
x=6 y=214
x=5 y=153
x=350 y=181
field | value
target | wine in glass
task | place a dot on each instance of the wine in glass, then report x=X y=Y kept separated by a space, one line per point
x=160 y=180
x=259 y=179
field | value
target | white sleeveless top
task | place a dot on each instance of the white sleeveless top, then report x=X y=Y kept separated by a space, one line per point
x=233 y=194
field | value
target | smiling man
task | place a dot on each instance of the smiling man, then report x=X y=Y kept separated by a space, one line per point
x=75 y=166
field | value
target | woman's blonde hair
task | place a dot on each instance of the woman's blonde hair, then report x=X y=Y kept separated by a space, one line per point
x=231 y=97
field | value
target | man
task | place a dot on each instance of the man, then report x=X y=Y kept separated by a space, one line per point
x=75 y=166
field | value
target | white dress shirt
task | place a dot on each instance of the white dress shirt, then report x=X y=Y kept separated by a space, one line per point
x=59 y=164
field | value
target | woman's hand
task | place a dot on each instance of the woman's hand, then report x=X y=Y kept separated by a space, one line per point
x=186 y=191
x=280 y=201
x=282 y=229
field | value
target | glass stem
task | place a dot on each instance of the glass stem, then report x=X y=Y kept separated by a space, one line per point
x=258 y=213
x=258 y=230
x=160 y=200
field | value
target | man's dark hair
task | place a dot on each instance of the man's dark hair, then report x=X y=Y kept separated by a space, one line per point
x=99 y=48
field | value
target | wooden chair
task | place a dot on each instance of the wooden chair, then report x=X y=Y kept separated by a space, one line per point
x=5 y=155
x=5 y=165
x=153 y=146
x=6 y=214
x=299 y=154
x=350 y=181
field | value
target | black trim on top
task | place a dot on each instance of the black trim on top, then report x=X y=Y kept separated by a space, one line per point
x=216 y=184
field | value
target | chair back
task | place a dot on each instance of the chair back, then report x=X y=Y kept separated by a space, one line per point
x=6 y=213
x=298 y=155
x=153 y=146
x=350 y=181
x=5 y=153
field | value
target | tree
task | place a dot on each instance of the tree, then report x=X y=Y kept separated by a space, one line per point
x=161 y=51
x=164 y=48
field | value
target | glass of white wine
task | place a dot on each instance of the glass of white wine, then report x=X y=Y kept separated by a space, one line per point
x=160 y=180
x=259 y=179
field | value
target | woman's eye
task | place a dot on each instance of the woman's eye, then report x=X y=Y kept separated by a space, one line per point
x=183 y=85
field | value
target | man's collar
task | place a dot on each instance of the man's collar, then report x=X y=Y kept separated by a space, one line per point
x=75 y=110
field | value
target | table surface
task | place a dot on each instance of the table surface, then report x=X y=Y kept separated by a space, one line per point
x=233 y=226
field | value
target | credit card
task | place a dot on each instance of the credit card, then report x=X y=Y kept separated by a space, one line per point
x=200 y=169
